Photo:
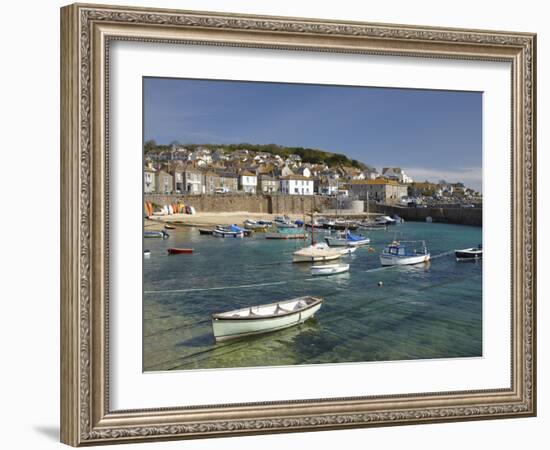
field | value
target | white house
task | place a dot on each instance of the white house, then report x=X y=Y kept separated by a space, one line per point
x=304 y=170
x=149 y=180
x=296 y=185
x=248 y=182
x=396 y=173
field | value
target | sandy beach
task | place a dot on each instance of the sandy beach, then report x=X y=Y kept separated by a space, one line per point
x=209 y=219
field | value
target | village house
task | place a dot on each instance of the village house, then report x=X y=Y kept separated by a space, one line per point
x=229 y=181
x=164 y=182
x=212 y=182
x=396 y=173
x=149 y=180
x=177 y=176
x=304 y=171
x=326 y=186
x=296 y=185
x=380 y=190
x=268 y=184
x=248 y=182
x=370 y=173
x=192 y=180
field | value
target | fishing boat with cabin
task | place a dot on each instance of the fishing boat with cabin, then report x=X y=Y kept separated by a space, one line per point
x=400 y=253
x=264 y=318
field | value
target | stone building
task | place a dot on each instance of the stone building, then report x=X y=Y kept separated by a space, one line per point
x=380 y=190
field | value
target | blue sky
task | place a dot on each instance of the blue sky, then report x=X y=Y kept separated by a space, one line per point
x=430 y=134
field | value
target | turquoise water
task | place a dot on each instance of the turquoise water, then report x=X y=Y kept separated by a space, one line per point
x=426 y=311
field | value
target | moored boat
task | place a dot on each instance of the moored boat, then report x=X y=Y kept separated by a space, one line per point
x=177 y=251
x=316 y=253
x=232 y=231
x=347 y=239
x=254 y=226
x=156 y=234
x=146 y=253
x=469 y=254
x=206 y=231
x=372 y=226
x=169 y=227
x=329 y=269
x=385 y=220
x=286 y=233
x=400 y=253
x=264 y=318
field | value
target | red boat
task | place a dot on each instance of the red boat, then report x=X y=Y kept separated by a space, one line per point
x=177 y=251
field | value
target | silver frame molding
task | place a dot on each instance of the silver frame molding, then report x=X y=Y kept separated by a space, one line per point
x=86 y=32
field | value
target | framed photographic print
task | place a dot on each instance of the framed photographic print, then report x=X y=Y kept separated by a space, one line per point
x=276 y=224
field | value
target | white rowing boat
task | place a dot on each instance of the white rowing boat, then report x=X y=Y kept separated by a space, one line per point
x=329 y=269
x=264 y=318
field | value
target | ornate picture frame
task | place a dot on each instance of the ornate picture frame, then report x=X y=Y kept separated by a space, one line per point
x=86 y=34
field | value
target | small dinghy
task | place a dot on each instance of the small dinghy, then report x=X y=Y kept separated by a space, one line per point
x=469 y=254
x=156 y=234
x=206 y=231
x=177 y=251
x=329 y=269
x=169 y=227
x=264 y=318
x=146 y=253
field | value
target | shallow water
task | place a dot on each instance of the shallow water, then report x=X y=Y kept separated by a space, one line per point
x=425 y=311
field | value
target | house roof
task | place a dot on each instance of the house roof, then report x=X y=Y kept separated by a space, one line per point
x=378 y=182
x=296 y=177
x=246 y=173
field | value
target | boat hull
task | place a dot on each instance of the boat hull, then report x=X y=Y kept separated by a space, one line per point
x=177 y=251
x=285 y=235
x=337 y=242
x=226 y=329
x=315 y=258
x=468 y=255
x=228 y=234
x=329 y=269
x=393 y=260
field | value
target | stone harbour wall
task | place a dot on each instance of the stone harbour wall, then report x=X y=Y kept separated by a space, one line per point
x=459 y=216
x=259 y=203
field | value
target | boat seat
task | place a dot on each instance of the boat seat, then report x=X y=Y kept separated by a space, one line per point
x=280 y=308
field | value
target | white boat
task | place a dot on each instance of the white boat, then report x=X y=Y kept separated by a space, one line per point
x=404 y=253
x=469 y=254
x=372 y=226
x=316 y=253
x=253 y=225
x=347 y=239
x=347 y=250
x=329 y=269
x=385 y=220
x=156 y=234
x=264 y=318
x=146 y=253
x=233 y=231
